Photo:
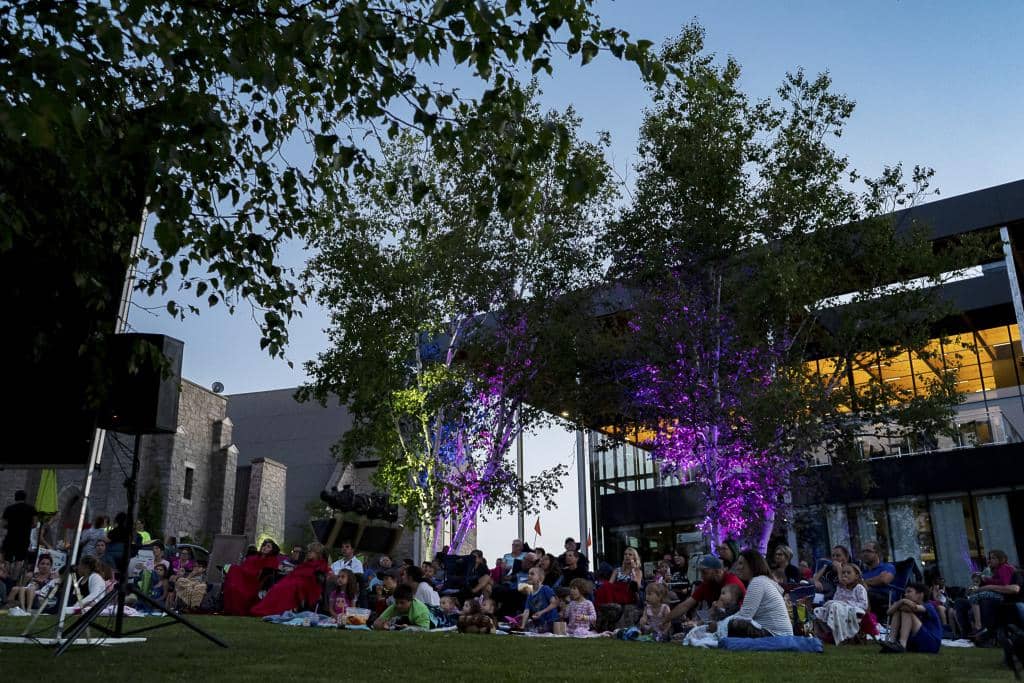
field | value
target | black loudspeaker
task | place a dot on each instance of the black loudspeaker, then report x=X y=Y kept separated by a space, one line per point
x=145 y=372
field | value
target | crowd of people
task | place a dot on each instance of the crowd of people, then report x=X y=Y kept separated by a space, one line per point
x=732 y=592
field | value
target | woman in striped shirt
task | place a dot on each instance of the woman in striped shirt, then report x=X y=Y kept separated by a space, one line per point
x=764 y=610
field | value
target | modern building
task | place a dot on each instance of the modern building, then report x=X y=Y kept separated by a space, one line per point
x=273 y=425
x=943 y=501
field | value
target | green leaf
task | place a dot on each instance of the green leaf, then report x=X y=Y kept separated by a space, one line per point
x=324 y=144
x=589 y=51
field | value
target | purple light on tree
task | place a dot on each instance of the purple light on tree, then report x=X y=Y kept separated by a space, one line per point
x=703 y=400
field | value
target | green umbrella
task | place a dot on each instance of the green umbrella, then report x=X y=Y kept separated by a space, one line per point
x=46 y=496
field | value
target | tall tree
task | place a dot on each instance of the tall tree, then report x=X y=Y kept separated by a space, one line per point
x=745 y=225
x=446 y=313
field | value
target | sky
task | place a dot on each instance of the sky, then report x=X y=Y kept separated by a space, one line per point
x=936 y=83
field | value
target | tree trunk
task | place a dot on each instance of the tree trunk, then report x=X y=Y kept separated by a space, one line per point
x=766 y=531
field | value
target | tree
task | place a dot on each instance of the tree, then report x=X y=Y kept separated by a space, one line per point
x=232 y=122
x=745 y=226
x=446 y=316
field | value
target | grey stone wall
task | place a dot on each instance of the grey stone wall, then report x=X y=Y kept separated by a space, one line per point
x=265 y=507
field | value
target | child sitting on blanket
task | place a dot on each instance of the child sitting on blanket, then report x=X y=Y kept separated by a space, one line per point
x=580 y=614
x=655 y=620
x=541 y=604
x=343 y=596
x=839 y=618
x=406 y=611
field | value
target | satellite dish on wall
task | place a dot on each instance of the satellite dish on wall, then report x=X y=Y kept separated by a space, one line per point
x=218 y=388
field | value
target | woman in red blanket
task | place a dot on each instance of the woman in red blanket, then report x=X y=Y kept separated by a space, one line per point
x=242 y=582
x=300 y=587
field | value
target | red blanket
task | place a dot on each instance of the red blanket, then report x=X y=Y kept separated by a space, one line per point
x=242 y=583
x=298 y=588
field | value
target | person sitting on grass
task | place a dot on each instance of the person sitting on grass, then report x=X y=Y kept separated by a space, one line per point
x=477 y=617
x=580 y=613
x=718 y=617
x=713 y=579
x=783 y=570
x=423 y=591
x=383 y=593
x=159 y=586
x=303 y=587
x=914 y=623
x=95 y=585
x=343 y=596
x=430 y=574
x=189 y=590
x=243 y=582
x=655 y=621
x=991 y=589
x=541 y=609
x=839 y=619
x=42 y=582
x=764 y=611
x=406 y=611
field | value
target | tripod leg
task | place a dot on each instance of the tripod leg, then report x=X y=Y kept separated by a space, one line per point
x=84 y=621
x=173 y=615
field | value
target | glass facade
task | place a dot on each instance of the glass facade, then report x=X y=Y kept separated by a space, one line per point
x=950 y=532
x=619 y=467
x=986 y=361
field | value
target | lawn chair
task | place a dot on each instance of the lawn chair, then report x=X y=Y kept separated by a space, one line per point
x=906 y=571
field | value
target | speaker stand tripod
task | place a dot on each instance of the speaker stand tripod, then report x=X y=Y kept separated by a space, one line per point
x=124 y=588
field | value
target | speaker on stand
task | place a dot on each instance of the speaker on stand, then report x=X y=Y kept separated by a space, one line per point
x=141 y=398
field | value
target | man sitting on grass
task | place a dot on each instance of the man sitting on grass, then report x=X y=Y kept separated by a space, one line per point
x=406 y=611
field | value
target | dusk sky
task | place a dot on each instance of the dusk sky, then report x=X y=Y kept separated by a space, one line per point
x=936 y=83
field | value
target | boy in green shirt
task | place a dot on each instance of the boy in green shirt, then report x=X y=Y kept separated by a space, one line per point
x=407 y=611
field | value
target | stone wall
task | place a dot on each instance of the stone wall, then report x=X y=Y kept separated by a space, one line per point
x=265 y=506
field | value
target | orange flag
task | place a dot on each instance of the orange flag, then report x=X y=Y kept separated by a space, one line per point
x=536 y=528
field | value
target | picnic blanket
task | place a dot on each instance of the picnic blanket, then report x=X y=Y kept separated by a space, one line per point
x=310 y=619
x=771 y=644
x=700 y=636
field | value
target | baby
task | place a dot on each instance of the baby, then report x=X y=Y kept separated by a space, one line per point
x=450 y=605
x=727 y=604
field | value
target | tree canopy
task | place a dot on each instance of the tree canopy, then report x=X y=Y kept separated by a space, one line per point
x=445 y=317
x=232 y=121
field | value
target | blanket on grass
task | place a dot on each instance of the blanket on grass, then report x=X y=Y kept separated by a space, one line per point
x=771 y=644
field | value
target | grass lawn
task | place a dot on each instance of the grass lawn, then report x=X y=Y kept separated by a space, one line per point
x=264 y=652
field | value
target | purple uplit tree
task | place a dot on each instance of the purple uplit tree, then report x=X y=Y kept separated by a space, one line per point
x=705 y=394
x=472 y=430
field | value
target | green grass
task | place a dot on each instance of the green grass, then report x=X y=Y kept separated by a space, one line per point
x=268 y=653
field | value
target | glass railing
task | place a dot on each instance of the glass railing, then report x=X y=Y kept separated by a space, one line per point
x=971 y=428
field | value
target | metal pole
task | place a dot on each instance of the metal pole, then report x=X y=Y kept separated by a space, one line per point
x=96 y=455
x=581 y=485
x=519 y=474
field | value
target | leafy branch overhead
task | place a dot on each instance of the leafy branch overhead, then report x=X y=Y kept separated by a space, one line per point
x=234 y=120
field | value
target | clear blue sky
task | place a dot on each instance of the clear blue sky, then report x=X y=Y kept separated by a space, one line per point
x=937 y=83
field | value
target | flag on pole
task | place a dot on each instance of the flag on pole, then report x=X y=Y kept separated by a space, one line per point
x=536 y=528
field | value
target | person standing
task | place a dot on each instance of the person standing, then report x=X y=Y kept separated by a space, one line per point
x=19 y=519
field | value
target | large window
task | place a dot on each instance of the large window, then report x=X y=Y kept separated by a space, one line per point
x=985 y=361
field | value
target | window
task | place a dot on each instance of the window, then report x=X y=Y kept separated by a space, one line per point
x=190 y=473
